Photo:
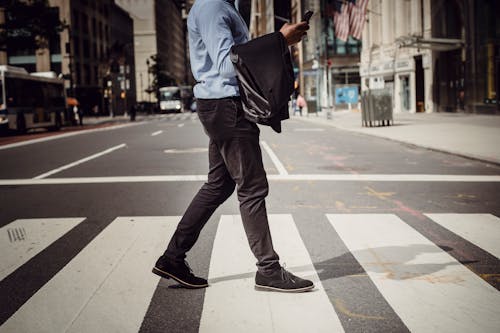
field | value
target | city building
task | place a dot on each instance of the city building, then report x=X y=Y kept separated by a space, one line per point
x=46 y=58
x=81 y=52
x=159 y=29
x=267 y=15
x=119 y=83
x=465 y=77
x=328 y=63
x=434 y=55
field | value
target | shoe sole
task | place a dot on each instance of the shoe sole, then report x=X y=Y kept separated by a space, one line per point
x=298 y=290
x=167 y=275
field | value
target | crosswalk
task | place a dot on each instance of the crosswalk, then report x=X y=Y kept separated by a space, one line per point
x=108 y=285
x=185 y=116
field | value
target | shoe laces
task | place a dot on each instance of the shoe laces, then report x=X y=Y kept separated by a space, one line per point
x=286 y=275
x=188 y=267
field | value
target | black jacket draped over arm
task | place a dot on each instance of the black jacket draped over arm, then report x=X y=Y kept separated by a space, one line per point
x=265 y=78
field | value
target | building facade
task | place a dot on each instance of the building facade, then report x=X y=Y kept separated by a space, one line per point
x=329 y=63
x=433 y=55
x=466 y=79
x=159 y=29
x=405 y=72
x=82 y=52
x=119 y=83
x=267 y=16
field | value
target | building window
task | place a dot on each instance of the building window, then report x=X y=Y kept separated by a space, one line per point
x=94 y=27
x=76 y=46
x=78 y=74
x=85 y=23
x=86 y=48
x=76 y=20
x=86 y=70
x=338 y=47
x=56 y=67
x=55 y=44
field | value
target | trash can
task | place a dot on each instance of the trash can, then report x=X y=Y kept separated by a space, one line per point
x=376 y=108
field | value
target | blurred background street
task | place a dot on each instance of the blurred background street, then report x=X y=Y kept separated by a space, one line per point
x=384 y=187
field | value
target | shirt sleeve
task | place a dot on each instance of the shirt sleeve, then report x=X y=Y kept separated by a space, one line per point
x=214 y=26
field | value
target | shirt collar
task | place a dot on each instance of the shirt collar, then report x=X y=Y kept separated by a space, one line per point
x=231 y=2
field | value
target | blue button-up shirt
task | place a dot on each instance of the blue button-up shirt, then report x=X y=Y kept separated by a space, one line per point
x=214 y=26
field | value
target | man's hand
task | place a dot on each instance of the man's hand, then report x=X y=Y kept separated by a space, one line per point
x=293 y=33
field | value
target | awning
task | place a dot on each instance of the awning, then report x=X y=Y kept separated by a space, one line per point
x=436 y=44
x=71 y=101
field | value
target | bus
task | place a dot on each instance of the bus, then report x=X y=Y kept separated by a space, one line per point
x=176 y=98
x=30 y=101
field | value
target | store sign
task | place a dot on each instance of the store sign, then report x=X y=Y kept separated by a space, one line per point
x=405 y=65
x=346 y=95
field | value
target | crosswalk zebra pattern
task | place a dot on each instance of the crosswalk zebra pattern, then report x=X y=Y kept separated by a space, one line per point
x=108 y=285
x=191 y=116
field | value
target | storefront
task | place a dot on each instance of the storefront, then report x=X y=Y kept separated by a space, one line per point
x=466 y=77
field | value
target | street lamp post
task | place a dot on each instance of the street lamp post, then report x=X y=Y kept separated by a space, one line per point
x=149 y=86
x=142 y=88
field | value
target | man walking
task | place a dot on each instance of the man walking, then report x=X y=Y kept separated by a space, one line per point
x=235 y=158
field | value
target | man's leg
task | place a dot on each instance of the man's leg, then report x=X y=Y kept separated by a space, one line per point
x=212 y=194
x=243 y=159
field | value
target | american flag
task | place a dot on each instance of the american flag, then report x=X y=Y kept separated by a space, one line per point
x=341 y=22
x=357 y=18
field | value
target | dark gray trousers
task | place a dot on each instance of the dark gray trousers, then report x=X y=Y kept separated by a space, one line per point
x=235 y=158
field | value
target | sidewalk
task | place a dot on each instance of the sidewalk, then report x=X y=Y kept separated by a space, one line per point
x=470 y=135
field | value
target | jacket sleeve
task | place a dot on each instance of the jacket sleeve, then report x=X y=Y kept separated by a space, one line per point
x=215 y=30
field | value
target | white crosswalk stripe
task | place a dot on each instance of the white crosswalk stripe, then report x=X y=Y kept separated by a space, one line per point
x=482 y=230
x=232 y=271
x=108 y=286
x=182 y=116
x=23 y=239
x=428 y=289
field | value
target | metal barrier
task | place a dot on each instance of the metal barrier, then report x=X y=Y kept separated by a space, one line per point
x=376 y=106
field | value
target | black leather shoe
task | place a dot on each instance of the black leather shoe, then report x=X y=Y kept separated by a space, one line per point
x=282 y=280
x=180 y=272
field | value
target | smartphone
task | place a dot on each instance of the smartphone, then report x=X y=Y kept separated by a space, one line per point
x=307 y=16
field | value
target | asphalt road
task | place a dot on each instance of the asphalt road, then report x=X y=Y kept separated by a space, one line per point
x=84 y=216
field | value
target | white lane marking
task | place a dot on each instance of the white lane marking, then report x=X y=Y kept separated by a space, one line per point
x=281 y=169
x=186 y=151
x=231 y=303
x=298 y=177
x=23 y=239
x=482 y=230
x=156 y=133
x=65 y=135
x=107 y=287
x=70 y=165
x=180 y=125
x=428 y=289
x=308 y=129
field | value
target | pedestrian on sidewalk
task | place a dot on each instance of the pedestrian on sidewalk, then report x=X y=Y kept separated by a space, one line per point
x=133 y=111
x=301 y=103
x=235 y=158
